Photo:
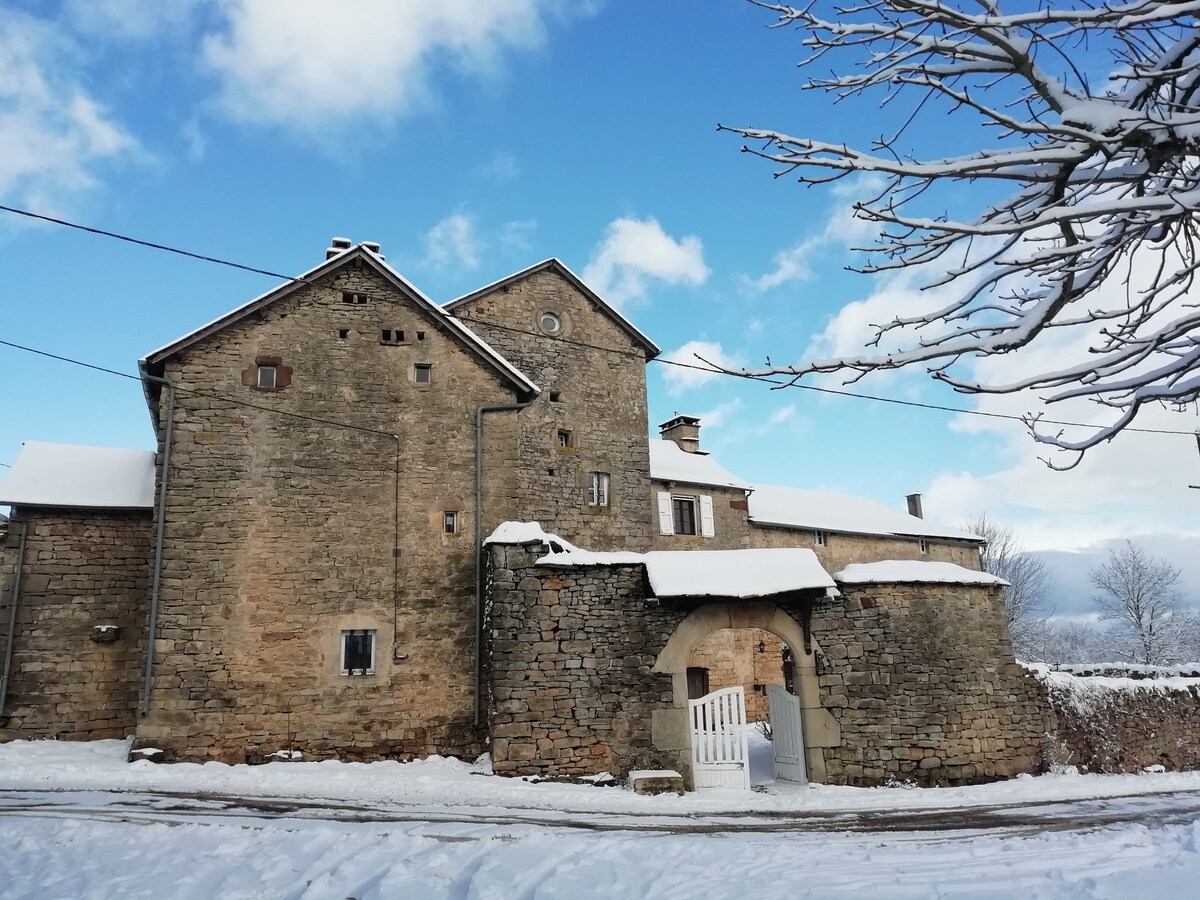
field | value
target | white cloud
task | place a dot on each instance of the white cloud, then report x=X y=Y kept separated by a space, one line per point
x=781 y=415
x=720 y=414
x=635 y=250
x=516 y=236
x=453 y=241
x=315 y=68
x=679 y=379
x=54 y=137
x=840 y=227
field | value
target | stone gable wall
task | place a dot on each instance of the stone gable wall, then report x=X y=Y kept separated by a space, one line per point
x=922 y=681
x=280 y=531
x=843 y=549
x=601 y=402
x=81 y=569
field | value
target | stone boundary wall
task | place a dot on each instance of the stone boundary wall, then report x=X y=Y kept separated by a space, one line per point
x=571 y=652
x=82 y=569
x=923 y=683
x=1111 y=725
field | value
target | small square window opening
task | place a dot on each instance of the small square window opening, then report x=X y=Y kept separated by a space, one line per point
x=267 y=376
x=420 y=335
x=564 y=440
x=555 y=396
x=450 y=522
x=386 y=335
x=358 y=652
x=343 y=333
x=598 y=485
x=423 y=373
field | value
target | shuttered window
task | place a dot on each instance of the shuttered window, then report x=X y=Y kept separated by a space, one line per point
x=358 y=652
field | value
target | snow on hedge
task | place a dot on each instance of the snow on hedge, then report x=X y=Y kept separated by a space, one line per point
x=1087 y=694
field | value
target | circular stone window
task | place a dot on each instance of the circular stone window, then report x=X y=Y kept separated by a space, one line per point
x=550 y=323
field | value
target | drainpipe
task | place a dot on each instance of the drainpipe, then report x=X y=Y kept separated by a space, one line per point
x=479 y=412
x=160 y=515
x=12 y=617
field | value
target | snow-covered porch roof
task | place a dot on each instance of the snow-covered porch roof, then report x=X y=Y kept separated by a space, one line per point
x=70 y=475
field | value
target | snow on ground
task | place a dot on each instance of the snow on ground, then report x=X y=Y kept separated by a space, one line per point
x=98 y=845
x=100 y=765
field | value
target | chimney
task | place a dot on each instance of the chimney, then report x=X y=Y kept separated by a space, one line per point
x=373 y=246
x=684 y=431
x=337 y=245
x=914 y=505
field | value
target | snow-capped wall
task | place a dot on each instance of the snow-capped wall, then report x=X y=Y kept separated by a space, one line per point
x=1121 y=724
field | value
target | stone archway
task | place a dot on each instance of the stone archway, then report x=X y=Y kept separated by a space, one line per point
x=671 y=729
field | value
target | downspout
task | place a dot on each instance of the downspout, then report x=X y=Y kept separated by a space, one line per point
x=479 y=412
x=12 y=617
x=160 y=515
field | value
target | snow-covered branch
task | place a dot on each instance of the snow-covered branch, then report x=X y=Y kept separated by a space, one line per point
x=1093 y=173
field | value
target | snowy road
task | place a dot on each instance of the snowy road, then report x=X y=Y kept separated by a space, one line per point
x=96 y=844
x=1025 y=818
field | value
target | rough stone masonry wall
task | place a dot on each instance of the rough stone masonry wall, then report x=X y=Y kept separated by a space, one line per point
x=81 y=569
x=598 y=395
x=280 y=530
x=922 y=681
x=1121 y=724
x=571 y=653
x=841 y=550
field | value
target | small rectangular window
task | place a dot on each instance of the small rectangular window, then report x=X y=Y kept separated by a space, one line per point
x=343 y=333
x=420 y=335
x=598 y=485
x=555 y=396
x=821 y=538
x=354 y=298
x=386 y=335
x=683 y=512
x=423 y=373
x=564 y=439
x=450 y=522
x=924 y=544
x=358 y=652
x=266 y=376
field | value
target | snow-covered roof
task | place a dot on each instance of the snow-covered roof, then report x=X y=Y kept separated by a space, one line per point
x=652 y=349
x=83 y=477
x=790 y=507
x=734 y=573
x=364 y=252
x=527 y=533
x=669 y=463
x=910 y=571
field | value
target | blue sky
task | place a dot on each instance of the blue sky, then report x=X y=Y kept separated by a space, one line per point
x=470 y=140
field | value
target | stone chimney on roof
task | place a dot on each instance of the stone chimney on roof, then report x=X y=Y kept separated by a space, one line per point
x=684 y=431
x=337 y=245
x=914 y=505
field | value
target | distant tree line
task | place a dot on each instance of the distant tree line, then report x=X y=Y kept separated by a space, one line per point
x=1141 y=618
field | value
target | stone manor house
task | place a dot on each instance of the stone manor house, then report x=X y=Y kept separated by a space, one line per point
x=325 y=555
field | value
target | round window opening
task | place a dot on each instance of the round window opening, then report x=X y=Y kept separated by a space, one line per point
x=550 y=323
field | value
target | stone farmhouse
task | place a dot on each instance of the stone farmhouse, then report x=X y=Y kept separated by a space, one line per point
x=325 y=554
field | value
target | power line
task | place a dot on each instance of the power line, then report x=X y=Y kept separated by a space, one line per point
x=777 y=382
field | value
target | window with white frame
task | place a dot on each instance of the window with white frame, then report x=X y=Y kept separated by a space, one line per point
x=450 y=521
x=924 y=544
x=267 y=376
x=358 y=652
x=821 y=538
x=685 y=514
x=598 y=486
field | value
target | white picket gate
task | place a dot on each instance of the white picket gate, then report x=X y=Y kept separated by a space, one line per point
x=720 y=752
x=787 y=734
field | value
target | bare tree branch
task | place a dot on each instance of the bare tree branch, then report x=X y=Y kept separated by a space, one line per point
x=1137 y=591
x=1095 y=175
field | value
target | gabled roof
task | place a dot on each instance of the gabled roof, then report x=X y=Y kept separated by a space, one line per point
x=669 y=463
x=152 y=362
x=789 y=507
x=70 y=475
x=558 y=266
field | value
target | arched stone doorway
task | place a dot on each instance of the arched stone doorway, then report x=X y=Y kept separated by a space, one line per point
x=671 y=727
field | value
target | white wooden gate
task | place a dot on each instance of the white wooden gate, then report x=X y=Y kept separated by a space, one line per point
x=787 y=735
x=720 y=752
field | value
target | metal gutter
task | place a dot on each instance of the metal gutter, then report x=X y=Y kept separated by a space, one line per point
x=12 y=617
x=160 y=516
x=479 y=413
